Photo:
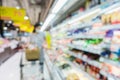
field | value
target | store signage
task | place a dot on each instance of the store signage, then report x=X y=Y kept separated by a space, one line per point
x=25 y=26
x=7 y=13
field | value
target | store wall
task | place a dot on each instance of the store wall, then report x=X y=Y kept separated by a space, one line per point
x=0 y=2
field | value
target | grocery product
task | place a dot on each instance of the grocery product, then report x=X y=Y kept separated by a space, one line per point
x=111 y=18
x=32 y=54
x=93 y=41
x=72 y=76
x=106 y=52
x=64 y=66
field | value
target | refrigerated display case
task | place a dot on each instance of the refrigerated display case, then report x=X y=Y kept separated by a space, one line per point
x=85 y=45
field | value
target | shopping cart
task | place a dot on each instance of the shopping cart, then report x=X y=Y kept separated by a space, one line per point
x=30 y=70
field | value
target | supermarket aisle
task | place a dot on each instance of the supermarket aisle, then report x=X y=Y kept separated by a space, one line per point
x=10 y=70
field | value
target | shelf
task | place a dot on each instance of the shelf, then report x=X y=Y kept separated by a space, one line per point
x=91 y=62
x=107 y=27
x=86 y=36
x=109 y=76
x=88 y=49
x=117 y=64
x=103 y=28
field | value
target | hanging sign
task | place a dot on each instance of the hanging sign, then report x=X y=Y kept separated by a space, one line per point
x=8 y=13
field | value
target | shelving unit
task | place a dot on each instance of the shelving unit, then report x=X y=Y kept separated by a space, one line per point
x=98 y=10
x=96 y=64
x=79 y=21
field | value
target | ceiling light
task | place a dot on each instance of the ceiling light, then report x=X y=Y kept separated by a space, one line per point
x=5 y=28
x=41 y=23
x=10 y=22
x=17 y=29
x=32 y=1
x=59 y=5
x=17 y=7
x=47 y=21
x=26 y=18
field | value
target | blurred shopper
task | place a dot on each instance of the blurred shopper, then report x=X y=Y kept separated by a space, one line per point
x=38 y=38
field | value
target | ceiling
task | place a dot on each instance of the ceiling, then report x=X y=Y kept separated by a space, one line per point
x=37 y=10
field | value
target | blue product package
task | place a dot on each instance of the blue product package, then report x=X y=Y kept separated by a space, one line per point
x=109 y=33
x=118 y=52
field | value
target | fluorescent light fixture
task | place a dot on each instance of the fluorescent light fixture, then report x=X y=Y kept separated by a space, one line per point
x=84 y=16
x=26 y=18
x=59 y=5
x=41 y=23
x=17 y=7
x=17 y=29
x=69 y=4
x=47 y=21
x=5 y=28
x=10 y=22
x=114 y=10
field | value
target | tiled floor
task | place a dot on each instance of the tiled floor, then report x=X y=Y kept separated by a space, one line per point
x=10 y=70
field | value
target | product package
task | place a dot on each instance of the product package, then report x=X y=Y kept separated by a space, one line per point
x=32 y=54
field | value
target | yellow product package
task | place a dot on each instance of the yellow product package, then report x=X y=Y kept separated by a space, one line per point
x=48 y=39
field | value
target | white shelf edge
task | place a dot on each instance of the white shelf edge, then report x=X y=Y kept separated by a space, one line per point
x=107 y=27
x=81 y=48
x=85 y=36
x=117 y=64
